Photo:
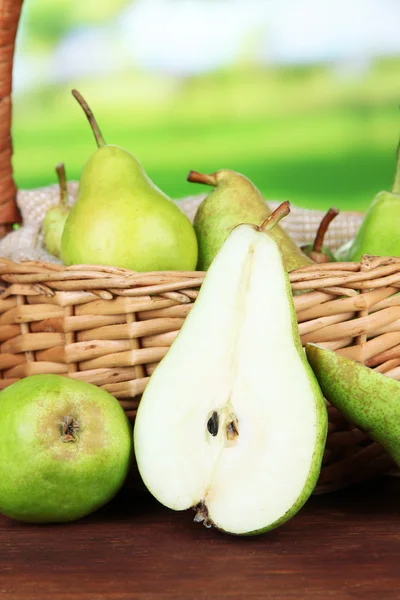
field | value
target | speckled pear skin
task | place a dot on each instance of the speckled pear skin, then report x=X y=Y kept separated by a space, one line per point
x=368 y=399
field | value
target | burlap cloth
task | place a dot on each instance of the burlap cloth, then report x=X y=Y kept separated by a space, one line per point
x=26 y=243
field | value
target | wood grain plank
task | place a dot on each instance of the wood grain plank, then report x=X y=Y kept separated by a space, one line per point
x=341 y=546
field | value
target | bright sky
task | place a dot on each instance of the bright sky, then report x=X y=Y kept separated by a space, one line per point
x=191 y=36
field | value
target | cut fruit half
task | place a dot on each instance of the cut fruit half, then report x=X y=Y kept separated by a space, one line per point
x=232 y=422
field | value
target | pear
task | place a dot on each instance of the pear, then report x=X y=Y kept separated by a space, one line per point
x=235 y=200
x=232 y=422
x=55 y=217
x=379 y=233
x=317 y=251
x=367 y=398
x=121 y=218
x=340 y=255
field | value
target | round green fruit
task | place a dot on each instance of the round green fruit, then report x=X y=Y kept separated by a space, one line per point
x=65 y=448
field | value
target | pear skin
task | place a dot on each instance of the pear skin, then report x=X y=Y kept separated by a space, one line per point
x=121 y=218
x=235 y=200
x=368 y=399
x=379 y=233
x=55 y=217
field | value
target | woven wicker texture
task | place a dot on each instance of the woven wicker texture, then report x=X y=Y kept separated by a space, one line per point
x=9 y=16
x=111 y=327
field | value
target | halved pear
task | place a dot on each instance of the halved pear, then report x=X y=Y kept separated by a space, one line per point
x=233 y=422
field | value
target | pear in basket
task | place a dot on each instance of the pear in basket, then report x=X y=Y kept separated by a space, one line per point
x=317 y=251
x=379 y=233
x=55 y=217
x=121 y=218
x=367 y=398
x=234 y=200
x=232 y=422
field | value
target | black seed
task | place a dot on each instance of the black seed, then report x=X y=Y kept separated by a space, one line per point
x=212 y=424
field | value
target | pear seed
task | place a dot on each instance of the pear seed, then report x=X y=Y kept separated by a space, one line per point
x=212 y=424
x=232 y=430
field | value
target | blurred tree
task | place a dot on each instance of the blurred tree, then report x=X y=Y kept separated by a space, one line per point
x=46 y=21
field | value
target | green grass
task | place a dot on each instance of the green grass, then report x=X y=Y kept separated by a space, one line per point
x=299 y=134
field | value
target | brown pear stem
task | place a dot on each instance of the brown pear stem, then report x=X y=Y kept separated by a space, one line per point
x=62 y=182
x=396 y=182
x=323 y=228
x=208 y=179
x=70 y=427
x=282 y=211
x=90 y=117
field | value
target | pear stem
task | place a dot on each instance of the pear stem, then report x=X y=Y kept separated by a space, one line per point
x=62 y=182
x=323 y=228
x=195 y=177
x=69 y=428
x=90 y=117
x=282 y=211
x=396 y=182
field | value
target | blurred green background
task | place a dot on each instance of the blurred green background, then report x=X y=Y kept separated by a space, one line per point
x=184 y=87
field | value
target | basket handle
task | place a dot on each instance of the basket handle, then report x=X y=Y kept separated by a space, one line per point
x=10 y=11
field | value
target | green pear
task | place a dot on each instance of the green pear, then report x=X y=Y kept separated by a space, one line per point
x=340 y=255
x=55 y=217
x=379 y=233
x=232 y=422
x=121 y=218
x=65 y=448
x=234 y=200
x=368 y=399
x=317 y=251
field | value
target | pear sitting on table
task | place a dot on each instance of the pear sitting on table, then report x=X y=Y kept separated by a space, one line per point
x=233 y=422
x=121 y=218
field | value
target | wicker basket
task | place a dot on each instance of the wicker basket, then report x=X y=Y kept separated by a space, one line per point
x=111 y=327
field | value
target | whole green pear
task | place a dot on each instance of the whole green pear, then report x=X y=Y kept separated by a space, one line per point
x=121 y=218
x=365 y=397
x=235 y=200
x=379 y=233
x=65 y=448
x=55 y=217
x=316 y=250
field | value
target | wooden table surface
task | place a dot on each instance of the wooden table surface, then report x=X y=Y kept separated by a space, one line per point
x=343 y=545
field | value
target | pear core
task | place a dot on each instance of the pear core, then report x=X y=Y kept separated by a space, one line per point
x=232 y=422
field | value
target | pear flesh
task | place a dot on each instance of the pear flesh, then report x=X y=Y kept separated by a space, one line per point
x=367 y=398
x=232 y=422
